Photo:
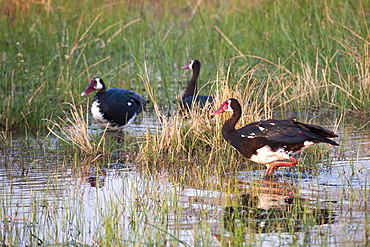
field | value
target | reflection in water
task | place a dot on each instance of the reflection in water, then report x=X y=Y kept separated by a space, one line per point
x=49 y=202
x=96 y=180
x=61 y=202
x=264 y=207
x=264 y=213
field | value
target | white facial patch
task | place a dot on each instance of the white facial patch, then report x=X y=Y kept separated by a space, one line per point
x=266 y=156
x=98 y=84
x=228 y=108
x=191 y=64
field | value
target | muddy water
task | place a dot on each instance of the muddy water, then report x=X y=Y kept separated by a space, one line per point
x=49 y=201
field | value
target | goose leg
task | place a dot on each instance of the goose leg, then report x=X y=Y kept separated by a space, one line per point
x=274 y=166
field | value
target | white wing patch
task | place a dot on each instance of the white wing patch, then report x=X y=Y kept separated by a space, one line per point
x=131 y=120
x=251 y=135
x=97 y=115
x=261 y=128
x=112 y=126
x=308 y=144
x=266 y=156
x=102 y=122
x=129 y=103
x=272 y=124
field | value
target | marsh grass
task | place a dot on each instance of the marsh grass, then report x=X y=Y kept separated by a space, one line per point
x=309 y=58
x=190 y=142
x=313 y=49
x=134 y=208
x=195 y=137
x=73 y=129
x=75 y=134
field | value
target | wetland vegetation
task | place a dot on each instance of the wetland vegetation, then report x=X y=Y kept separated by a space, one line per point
x=171 y=179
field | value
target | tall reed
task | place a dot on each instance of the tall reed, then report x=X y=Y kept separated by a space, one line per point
x=309 y=47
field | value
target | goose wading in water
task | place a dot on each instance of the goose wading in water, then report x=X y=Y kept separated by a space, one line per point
x=115 y=106
x=270 y=142
x=190 y=96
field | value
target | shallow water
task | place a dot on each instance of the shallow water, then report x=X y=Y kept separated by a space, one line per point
x=49 y=201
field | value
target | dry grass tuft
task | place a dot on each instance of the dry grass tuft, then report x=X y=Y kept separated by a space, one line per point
x=193 y=141
x=73 y=130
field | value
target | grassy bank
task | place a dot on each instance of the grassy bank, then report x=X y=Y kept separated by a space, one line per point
x=312 y=54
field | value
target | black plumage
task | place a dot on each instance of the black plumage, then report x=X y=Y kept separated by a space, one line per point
x=190 y=97
x=268 y=142
x=116 y=107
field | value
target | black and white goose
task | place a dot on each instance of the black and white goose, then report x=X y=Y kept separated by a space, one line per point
x=114 y=107
x=190 y=96
x=271 y=142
